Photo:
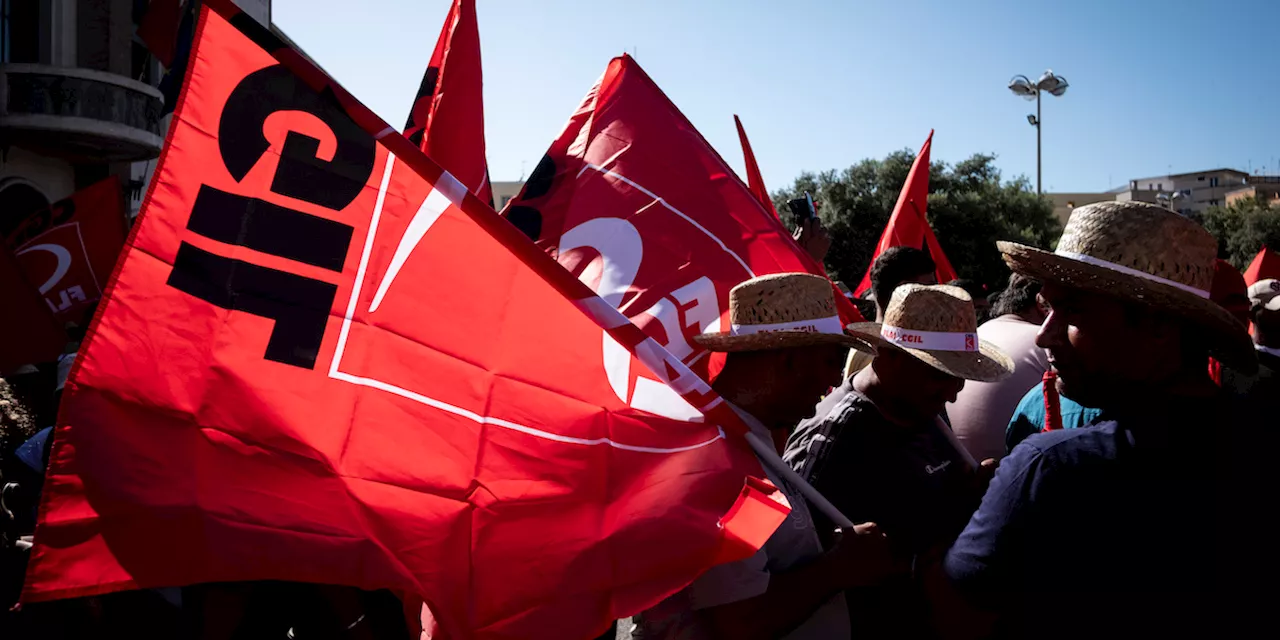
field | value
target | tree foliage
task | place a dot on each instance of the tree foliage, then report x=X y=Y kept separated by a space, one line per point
x=970 y=208
x=1243 y=228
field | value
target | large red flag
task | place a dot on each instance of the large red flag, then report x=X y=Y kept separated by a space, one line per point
x=447 y=117
x=633 y=200
x=1265 y=265
x=31 y=334
x=68 y=250
x=321 y=359
x=908 y=226
x=755 y=181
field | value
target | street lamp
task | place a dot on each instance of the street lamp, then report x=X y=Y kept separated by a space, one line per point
x=1054 y=85
x=1168 y=199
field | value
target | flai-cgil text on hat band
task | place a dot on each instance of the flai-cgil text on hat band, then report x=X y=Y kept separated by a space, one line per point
x=817 y=325
x=930 y=340
x=1131 y=271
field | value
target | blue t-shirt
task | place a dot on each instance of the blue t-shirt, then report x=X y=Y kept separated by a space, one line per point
x=1029 y=419
x=1135 y=526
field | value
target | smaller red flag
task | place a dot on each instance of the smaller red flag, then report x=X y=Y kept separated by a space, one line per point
x=447 y=117
x=159 y=29
x=908 y=226
x=755 y=182
x=67 y=251
x=1265 y=265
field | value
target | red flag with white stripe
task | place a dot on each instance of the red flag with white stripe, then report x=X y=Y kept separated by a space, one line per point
x=321 y=359
x=633 y=200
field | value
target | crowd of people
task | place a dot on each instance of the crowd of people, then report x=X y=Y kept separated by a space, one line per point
x=1090 y=461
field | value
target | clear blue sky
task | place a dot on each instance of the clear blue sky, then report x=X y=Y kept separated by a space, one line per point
x=1181 y=84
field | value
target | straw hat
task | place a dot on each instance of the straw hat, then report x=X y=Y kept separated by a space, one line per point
x=781 y=311
x=1146 y=254
x=937 y=325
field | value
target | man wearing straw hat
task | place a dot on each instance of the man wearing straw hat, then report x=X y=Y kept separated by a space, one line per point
x=784 y=350
x=1137 y=525
x=882 y=454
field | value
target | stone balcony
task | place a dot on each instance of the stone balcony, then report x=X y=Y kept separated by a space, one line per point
x=79 y=114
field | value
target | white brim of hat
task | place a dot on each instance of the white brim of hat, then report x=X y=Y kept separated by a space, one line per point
x=726 y=342
x=987 y=364
x=1229 y=339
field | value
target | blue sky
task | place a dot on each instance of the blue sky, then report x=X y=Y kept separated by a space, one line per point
x=1178 y=84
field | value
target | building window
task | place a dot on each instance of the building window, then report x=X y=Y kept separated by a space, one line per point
x=1213 y=182
x=1213 y=203
x=1186 y=192
x=19 y=31
x=1159 y=186
x=503 y=202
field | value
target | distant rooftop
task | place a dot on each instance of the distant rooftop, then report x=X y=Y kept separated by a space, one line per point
x=1187 y=175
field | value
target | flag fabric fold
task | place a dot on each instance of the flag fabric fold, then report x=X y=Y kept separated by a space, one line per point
x=636 y=203
x=321 y=359
x=908 y=225
x=446 y=120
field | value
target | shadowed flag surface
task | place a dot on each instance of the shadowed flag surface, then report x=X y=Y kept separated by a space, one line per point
x=908 y=226
x=320 y=359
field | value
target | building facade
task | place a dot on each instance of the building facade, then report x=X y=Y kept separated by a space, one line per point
x=78 y=101
x=1185 y=192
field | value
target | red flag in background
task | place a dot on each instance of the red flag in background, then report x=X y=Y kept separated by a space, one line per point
x=1265 y=265
x=755 y=182
x=447 y=117
x=633 y=200
x=68 y=250
x=322 y=360
x=158 y=29
x=32 y=335
x=908 y=226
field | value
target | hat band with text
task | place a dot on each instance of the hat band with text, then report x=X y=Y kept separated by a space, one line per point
x=1098 y=262
x=930 y=340
x=829 y=325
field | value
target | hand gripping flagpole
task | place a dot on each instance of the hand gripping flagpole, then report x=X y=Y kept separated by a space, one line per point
x=769 y=457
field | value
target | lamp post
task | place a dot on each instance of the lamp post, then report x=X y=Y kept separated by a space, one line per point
x=1055 y=85
x=1169 y=199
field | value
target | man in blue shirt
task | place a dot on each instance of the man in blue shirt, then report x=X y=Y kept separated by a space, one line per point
x=1141 y=524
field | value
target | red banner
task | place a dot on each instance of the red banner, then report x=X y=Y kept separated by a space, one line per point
x=447 y=117
x=322 y=360
x=908 y=226
x=68 y=250
x=635 y=202
x=1266 y=264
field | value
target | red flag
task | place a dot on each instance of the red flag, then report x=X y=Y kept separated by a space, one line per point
x=158 y=29
x=908 y=226
x=31 y=334
x=321 y=359
x=755 y=181
x=633 y=200
x=1265 y=265
x=447 y=117
x=68 y=250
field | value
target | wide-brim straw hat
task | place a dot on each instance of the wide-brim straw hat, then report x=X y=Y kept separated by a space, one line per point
x=938 y=325
x=781 y=311
x=1146 y=254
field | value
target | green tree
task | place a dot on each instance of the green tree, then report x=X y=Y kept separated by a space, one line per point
x=1243 y=228
x=970 y=208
